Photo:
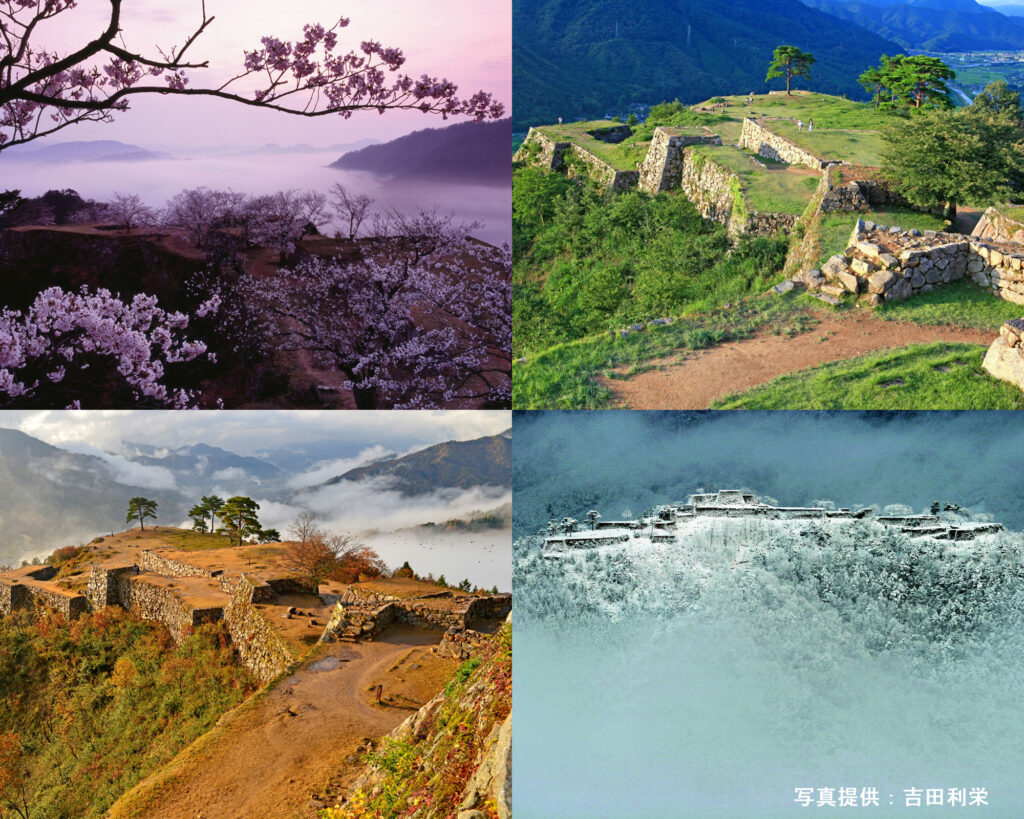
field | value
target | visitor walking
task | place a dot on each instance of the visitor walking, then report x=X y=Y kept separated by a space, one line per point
x=810 y=125
x=799 y=125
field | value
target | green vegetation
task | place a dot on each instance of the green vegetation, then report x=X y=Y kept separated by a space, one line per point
x=773 y=188
x=827 y=111
x=563 y=377
x=859 y=147
x=435 y=770
x=89 y=708
x=139 y=509
x=958 y=304
x=623 y=156
x=937 y=376
x=837 y=227
x=589 y=261
x=970 y=155
x=568 y=62
x=916 y=81
x=790 y=63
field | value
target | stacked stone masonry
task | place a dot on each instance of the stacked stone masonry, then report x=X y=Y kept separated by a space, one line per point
x=360 y=616
x=260 y=648
x=153 y=562
x=999 y=227
x=759 y=139
x=662 y=168
x=713 y=189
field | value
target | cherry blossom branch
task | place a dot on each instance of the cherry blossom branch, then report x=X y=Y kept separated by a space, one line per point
x=308 y=77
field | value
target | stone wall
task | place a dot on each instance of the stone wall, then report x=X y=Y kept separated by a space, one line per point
x=888 y=264
x=999 y=227
x=13 y=596
x=150 y=601
x=600 y=171
x=260 y=648
x=757 y=138
x=461 y=643
x=168 y=567
x=361 y=616
x=541 y=150
x=853 y=189
x=713 y=189
x=70 y=605
x=662 y=168
x=710 y=187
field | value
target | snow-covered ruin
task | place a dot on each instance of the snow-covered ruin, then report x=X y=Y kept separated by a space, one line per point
x=667 y=523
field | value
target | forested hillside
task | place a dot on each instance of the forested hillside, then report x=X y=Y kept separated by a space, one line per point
x=577 y=59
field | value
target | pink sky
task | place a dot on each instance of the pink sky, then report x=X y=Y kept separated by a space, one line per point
x=467 y=41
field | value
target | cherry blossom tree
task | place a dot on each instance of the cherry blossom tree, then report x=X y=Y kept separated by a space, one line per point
x=130 y=211
x=351 y=209
x=422 y=323
x=85 y=348
x=281 y=219
x=197 y=211
x=43 y=91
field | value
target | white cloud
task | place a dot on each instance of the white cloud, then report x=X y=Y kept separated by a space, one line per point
x=326 y=470
x=230 y=473
x=127 y=472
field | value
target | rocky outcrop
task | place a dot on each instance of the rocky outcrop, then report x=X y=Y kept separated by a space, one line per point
x=662 y=168
x=999 y=227
x=756 y=137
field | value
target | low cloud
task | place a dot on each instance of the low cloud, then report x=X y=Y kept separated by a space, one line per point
x=326 y=470
x=128 y=472
x=231 y=473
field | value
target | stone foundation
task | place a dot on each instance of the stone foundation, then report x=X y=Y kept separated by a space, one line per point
x=169 y=567
x=998 y=227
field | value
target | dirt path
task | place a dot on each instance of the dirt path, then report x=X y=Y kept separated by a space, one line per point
x=271 y=755
x=707 y=375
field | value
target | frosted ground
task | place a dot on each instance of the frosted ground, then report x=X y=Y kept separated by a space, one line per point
x=713 y=676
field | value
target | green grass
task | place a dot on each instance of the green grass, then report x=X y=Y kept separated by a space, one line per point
x=780 y=189
x=563 y=377
x=826 y=111
x=837 y=227
x=957 y=304
x=854 y=146
x=925 y=376
x=622 y=156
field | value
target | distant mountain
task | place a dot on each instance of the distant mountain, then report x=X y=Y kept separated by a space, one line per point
x=50 y=497
x=468 y=151
x=454 y=464
x=101 y=150
x=586 y=58
x=931 y=25
x=199 y=464
x=343 y=147
x=1011 y=10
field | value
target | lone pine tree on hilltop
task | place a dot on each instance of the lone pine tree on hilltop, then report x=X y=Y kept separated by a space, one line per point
x=139 y=509
x=790 y=62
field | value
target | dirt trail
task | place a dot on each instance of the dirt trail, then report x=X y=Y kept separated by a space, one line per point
x=707 y=375
x=271 y=755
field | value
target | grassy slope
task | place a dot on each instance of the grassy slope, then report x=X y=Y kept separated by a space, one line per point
x=621 y=156
x=90 y=734
x=936 y=376
x=562 y=377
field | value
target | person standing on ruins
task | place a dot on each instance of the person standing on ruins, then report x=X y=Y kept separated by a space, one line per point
x=799 y=125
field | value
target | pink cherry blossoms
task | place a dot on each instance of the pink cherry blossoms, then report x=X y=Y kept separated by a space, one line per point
x=125 y=348
x=423 y=323
x=43 y=91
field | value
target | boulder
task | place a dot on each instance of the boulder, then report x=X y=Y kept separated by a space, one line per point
x=849 y=281
x=784 y=287
x=861 y=266
x=1004 y=362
